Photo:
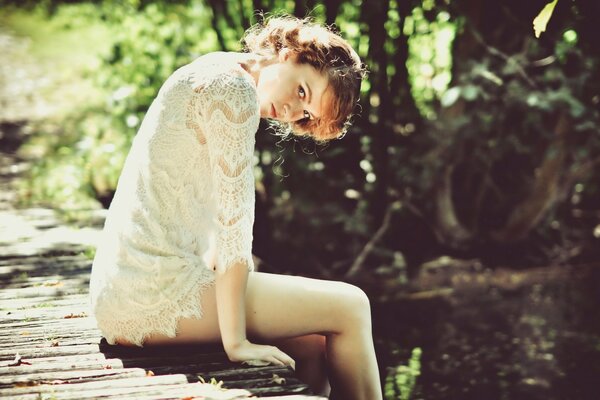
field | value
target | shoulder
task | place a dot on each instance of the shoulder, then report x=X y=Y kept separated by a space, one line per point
x=216 y=75
x=220 y=73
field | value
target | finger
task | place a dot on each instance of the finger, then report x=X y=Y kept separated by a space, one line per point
x=273 y=360
x=287 y=360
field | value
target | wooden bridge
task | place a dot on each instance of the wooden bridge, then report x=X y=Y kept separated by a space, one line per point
x=50 y=347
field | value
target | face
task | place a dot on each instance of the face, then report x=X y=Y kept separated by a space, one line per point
x=288 y=91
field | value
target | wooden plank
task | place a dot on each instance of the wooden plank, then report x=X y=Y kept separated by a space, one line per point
x=279 y=390
x=181 y=391
x=97 y=385
x=77 y=299
x=92 y=340
x=63 y=322
x=27 y=340
x=69 y=376
x=15 y=273
x=49 y=351
x=61 y=365
x=164 y=386
x=40 y=291
x=267 y=382
x=80 y=281
x=42 y=312
x=250 y=372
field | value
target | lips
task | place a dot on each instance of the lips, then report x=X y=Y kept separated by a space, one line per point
x=273 y=112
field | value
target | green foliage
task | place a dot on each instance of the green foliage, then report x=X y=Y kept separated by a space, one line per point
x=430 y=61
x=401 y=381
x=490 y=113
x=84 y=151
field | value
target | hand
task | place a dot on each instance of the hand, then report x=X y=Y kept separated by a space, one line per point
x=246 y=351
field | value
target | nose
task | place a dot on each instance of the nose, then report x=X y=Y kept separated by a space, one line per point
x=293 y=109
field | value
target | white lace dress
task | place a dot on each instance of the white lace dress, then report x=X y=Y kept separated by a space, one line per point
x=184 y=204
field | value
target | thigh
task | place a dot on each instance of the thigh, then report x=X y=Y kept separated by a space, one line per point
x=277 y=307
x=284 y=306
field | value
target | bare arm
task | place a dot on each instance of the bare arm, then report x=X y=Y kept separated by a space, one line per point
x=231 y=303
x=228 y=110
x=231 y=293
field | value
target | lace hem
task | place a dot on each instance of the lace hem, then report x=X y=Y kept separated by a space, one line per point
x=164 y=321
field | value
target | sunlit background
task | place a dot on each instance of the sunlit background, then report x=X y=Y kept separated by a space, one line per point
x=465 y=199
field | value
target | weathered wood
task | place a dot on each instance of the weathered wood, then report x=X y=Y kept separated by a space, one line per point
x=37 y=291
x=49 y=351
x=79 y=300
x=59 y=365
x=41 y=312
x=51 y=348
x=149 y=387
x=34 y=346
x=25 y=339
x=70 y=376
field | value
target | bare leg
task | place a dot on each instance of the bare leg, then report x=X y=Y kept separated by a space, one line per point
x=309 y=352
x=283 y=307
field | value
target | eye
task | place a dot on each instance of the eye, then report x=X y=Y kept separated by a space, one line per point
x=301 y=92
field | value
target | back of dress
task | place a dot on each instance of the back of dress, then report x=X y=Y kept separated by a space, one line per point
x=184 y=204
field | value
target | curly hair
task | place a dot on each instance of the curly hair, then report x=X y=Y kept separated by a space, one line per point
x=325 y=50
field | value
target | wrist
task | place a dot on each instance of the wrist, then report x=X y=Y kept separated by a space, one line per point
x=233 y=345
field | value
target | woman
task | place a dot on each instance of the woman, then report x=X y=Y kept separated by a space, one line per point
x=175 y=265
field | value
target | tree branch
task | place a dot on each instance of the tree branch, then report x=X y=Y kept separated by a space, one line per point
x=370 y=246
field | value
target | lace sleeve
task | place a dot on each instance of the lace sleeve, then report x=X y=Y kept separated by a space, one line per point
x=231 y=117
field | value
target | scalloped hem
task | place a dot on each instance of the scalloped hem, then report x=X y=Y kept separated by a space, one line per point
x=164 y=321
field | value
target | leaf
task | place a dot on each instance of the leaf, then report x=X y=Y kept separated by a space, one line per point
x=540 y=22
x=18 y=361
x=470 y=92
x=277 y=379
x=450 y=96
x=71 y=315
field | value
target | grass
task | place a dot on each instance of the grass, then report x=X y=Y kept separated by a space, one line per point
x=65 y=39
x=62 y=51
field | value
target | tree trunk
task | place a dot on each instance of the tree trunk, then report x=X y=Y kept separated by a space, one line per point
x=404 y=103
x=331 y=10
x=544 y=191
x=215 y=24
x=375 y=14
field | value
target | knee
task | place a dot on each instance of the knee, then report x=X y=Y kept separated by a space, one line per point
x=357 y=307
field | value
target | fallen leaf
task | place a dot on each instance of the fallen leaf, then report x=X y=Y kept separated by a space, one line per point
x=277 y=379
x=55 y=382
x=107 y=366
x=52 y=283
x=18 y=361
x=54 y=343
x=80 y=315
x=26 y=384
x=149 y=373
